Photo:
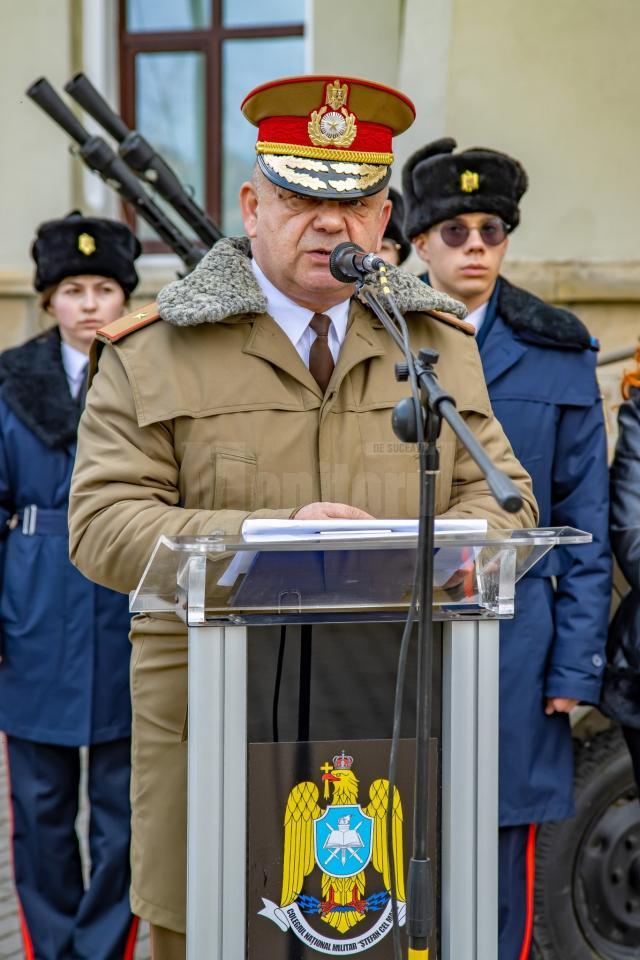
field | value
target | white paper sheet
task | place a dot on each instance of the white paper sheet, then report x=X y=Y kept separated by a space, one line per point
x=265 y=531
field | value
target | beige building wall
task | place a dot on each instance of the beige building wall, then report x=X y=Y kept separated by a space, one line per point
x=554 y=84
x=36 y=171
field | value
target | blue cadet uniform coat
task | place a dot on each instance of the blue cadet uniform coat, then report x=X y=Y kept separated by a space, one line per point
x=64 y=641
x=539 y=365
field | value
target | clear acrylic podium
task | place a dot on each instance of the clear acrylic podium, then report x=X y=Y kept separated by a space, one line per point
x=222 y=587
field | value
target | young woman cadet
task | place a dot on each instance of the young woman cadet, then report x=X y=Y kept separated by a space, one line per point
x=64 y=641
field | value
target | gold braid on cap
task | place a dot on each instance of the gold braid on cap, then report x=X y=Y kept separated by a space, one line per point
x=319 y=153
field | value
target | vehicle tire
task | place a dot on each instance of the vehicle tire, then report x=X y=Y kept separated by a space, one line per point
x=587 y=889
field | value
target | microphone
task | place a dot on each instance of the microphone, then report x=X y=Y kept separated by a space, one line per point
x=348 y=262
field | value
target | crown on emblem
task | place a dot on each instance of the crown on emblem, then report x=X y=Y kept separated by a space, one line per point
x=342 y=762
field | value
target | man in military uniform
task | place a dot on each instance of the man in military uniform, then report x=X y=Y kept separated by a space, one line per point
x=539 y=364
x=260 y=387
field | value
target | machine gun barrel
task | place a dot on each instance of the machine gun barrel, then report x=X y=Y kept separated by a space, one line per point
x=42 y=93
x=99 y=157
x=138 y=153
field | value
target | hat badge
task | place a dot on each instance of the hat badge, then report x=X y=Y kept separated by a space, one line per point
x=334 y=127
x=469 y=181
x=86 y=244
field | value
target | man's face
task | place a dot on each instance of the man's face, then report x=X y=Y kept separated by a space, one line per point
x=467 y=272
x=292 y=237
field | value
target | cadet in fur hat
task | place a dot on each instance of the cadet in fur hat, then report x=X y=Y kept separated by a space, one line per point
x=539 y=364
x=64 y=641
x=246 y=392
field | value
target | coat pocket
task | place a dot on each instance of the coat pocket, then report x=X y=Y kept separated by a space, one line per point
x=235 y=480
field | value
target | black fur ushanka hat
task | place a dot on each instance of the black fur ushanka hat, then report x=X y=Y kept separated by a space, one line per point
x=77 y=245
x=394 y=229
x=438 y=184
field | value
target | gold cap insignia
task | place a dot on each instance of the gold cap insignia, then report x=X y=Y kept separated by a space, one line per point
x=336 y=128
x=469 y=181
x=86 y=244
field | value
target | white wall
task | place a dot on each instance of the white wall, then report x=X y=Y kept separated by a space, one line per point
x=555 y=83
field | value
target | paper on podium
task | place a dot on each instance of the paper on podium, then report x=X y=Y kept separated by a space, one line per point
x=447 y=560
x=266 y=531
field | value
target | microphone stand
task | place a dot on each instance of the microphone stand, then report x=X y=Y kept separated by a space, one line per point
x=419 y=420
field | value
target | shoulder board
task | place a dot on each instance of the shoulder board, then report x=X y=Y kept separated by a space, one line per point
x=452 y=321
x=131 y=321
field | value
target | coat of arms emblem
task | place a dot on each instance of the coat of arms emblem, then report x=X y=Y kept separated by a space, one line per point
x=340 y=849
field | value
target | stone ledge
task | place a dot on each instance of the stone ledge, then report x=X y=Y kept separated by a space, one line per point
x=572 y=281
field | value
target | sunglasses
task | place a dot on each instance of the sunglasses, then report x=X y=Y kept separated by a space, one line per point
x=455 y=233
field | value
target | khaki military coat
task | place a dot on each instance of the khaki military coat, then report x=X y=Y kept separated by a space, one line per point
x=209 y=416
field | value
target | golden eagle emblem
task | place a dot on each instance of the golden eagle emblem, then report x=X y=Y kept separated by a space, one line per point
x=342 y=841
x=336 y=128
x=86 y=244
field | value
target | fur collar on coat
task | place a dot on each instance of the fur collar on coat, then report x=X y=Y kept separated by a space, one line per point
x=540 y=322
x=34 y=386
x=223 y=286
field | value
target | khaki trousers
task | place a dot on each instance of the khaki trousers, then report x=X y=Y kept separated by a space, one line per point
x=167 y=944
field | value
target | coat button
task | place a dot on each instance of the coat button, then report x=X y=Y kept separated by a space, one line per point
x=596 y=660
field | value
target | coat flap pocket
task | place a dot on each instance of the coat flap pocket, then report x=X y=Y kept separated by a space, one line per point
x=235 y=478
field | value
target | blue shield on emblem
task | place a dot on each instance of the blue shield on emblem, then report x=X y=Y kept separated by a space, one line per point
x=343 y=839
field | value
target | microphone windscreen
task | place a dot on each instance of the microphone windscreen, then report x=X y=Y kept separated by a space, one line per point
x=339 y=260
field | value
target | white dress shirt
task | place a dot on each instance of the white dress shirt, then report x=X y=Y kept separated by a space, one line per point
x=294 y=319
x=75 y=366
x=476 y=317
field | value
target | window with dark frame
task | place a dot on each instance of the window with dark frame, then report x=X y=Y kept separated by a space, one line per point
x=185 y=66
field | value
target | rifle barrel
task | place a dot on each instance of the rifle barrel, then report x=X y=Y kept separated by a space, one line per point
x=139 y=154
x=99 y=157
x=84 y=93
x=42 y=93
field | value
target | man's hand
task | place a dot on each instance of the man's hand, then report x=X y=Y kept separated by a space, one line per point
x=331 y=511
x=559 y=705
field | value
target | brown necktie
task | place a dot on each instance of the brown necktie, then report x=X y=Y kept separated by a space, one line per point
x=321 y=362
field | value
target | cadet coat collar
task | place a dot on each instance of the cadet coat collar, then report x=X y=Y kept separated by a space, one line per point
x=34 y=385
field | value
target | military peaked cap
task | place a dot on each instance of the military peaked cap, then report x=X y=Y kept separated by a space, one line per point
x=327 y=136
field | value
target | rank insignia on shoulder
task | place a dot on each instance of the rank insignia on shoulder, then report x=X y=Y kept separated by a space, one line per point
x=131 y=321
